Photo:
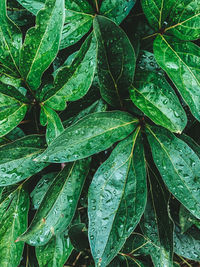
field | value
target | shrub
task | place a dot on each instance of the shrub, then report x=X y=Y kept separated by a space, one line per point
x=99 y=132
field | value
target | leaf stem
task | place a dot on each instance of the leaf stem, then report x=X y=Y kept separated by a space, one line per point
x=97 y=6
x=149 y=36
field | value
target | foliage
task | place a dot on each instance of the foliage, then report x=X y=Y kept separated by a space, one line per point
x=99 y=133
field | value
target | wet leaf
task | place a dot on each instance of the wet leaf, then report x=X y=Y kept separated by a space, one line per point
x=184 y=20
x=186 y=219
x=153 y=95
x=79 y=236
x=55 y=252
x=115 y=60
x=191 y=143
x=41 y=188
x=58 y=205
x=116 y=10
x=15 y=134
x=180 y=60
x=32 y=5
x=156 y=11
x=187 y=245
x=16 y=159
x=73 y=82
x=90 y=135
x=178 y=165
x=42 y=42
x=10 y=40
x=54 y=125
x=117 y=198
x=13 y=222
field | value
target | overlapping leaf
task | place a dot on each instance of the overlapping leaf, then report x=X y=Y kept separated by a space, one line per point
x=92 y=134
x=156 y=11
x=116 y=10
x=181 y=61
x=178 y=165
x=58 y=205
x=117 y=198
x=154 y=96
x=16 y=159
x=115 y=60
x=10 y=40
x=13 y=222
x=42 y=42
x=55 y=252
x=184 y=19
x=32 y=5
x=54 y=125
x=72 y=83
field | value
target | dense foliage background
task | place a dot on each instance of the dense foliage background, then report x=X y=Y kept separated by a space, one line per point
x=99 y=133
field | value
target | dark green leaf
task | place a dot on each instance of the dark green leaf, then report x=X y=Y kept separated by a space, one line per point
x=90 y=135
x=13 y=214
x=41 y=188
x=178 y=165
x=16 y=159
x=181 y=62
x=156 y=11
x=117 y=198
x=187 y=244
x=72 y=83
x=79 y=236
x=186 y=219
x=54 y=125
x=191 y=143
x=184 y=19
x=15 y=134
x=115 y=60
x=55 y=252
x=116 y=10
x=32 y=5
x=42 y=42
x=10 y=40
x=154 y=96
x=58 y=205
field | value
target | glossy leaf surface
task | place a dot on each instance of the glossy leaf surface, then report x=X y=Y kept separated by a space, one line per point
x=12 y=113
x=156 y=11
x=10 y=40
x=184 y=20
x=54 y=125
x=55 y=252
x=58 y=205
x=90 y=135
x=153 y=95
x=16 y=159
x=178 y=165
x=116 y=10
x=13 y=222
x=15 y=134
x=180 y=60
x=37 y=52
x=115 y=60
x=32 y=5
x=186 y=219
x=117 y=198
x=72 y=83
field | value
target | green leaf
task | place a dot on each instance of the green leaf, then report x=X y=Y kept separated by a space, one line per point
x=54 y=124
x=178 y=165
x=180 y=60
x=157 y=226
x=15 y=134
x=58 y=205
x=42 y=42
x=156 y=11
x=184 y=20
x=90 y=135
x=187 y=245
x=13 y=214
x=10 y=40
x=32 y=5
x=79 y=236
x=97 y=106
x=12 y=113
x=186 y=219
x=41 y=188
x=116 y=199
x=152 y=94
x=16 y=159
x=55 y=252
x=191 y=143
x=115 y=60
x=72 y=83
x=78 y=21
x=116 y=10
